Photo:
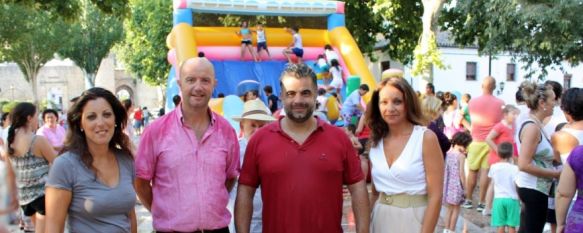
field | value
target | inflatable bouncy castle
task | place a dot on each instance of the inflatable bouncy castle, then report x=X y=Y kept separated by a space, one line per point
x=222 y=45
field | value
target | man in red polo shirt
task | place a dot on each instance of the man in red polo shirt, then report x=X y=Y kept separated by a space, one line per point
x=301 y=164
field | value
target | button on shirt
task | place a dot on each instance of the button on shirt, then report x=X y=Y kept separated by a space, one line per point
x=188 y=176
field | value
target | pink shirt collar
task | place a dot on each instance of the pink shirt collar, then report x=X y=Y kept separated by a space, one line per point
x=180 y=116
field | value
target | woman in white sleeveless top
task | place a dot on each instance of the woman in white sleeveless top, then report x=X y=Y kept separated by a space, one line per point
x=535 y=158
x=407 y=164
x=572 y=134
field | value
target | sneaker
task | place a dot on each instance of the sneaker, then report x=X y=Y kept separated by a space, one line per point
x=467 y=204
x=480 y=207
x=487 y=212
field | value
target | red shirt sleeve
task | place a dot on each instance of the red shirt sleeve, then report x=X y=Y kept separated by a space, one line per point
x=249 y=171
x=352 y=169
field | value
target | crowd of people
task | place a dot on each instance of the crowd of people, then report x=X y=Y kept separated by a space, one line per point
x=289 y=172
x=521 y=155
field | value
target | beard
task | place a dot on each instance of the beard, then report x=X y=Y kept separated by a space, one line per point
x=299 y=117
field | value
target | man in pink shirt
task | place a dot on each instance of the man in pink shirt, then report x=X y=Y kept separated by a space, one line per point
x=485 y=112
x=188 y=160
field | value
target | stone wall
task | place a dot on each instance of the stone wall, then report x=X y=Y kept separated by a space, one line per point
x=61 y=80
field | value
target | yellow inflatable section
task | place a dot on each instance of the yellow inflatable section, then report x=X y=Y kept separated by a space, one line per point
x=216 y=105
x=226 y=36
x=333 y=110
x=186 y=38
x=184 y=35
x=341 y=39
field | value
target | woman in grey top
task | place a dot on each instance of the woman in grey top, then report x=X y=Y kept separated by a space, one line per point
x=92 y=182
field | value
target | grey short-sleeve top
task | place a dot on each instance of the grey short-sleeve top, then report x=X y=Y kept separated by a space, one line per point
x=94 y=206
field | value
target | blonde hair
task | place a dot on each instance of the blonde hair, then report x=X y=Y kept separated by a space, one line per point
x=431 y=107
x=533 y=93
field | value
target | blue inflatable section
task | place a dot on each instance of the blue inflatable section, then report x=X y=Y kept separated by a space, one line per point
x=230 y=73
x=172 y=89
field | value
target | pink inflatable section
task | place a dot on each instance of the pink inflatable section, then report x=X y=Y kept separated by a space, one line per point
x=220 y=53
x=234 y=53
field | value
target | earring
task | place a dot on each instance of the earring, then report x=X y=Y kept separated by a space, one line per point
x=81 y=129
x=115 y=125
x=544 y=109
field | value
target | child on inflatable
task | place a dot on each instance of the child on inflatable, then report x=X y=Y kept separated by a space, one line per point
x=296 y=47
x=261 y=41
x=246 y=43
x=323 y=69
x=330 y=54
x=336 y=71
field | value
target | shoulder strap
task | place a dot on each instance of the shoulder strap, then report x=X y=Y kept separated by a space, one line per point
x=522 y=127
x=31 y=144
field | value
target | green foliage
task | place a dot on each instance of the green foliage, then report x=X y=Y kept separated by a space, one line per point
x=398 y=22
x=144 y=47
x=90 y=39
x=425 y=61
x=402 y=27
x=8 y=105
x=364 y=24
x=540 y=33
x=70 y=9
x=47 y=104
x=29 y=38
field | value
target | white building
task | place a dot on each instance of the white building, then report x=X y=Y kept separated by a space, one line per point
x=466 y=69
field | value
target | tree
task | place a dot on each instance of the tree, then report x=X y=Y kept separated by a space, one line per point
x=30 y=39
x=70 y=9
x=408 y=26
x=364 y=24
x=426 y=53
x=91 y=38
x=398 y=22
x=144 y=48
x=540 y=33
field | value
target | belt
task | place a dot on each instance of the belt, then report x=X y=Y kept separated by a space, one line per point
x=403 y=200
x=221 y=230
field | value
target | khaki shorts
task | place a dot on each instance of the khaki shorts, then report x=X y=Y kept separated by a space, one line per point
x=478 y=155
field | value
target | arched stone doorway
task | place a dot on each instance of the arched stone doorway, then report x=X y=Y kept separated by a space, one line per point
x=124 y=92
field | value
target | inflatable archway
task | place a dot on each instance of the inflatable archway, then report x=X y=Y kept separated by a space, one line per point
x=221 y=44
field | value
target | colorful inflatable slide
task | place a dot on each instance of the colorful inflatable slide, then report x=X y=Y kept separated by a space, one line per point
x=222 y=45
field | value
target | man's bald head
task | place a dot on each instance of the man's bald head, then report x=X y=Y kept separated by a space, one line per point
x=197 y=63
x=489 y=84
x=197 y=82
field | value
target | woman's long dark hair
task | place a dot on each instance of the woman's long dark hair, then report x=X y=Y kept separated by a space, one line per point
x=76 y=141
x=19 y=117
x=374 y=118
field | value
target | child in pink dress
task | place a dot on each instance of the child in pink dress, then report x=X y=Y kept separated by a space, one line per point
x=454 y=182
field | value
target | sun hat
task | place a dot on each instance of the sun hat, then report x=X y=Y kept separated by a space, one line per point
x=254 y=110
x=391 y=73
